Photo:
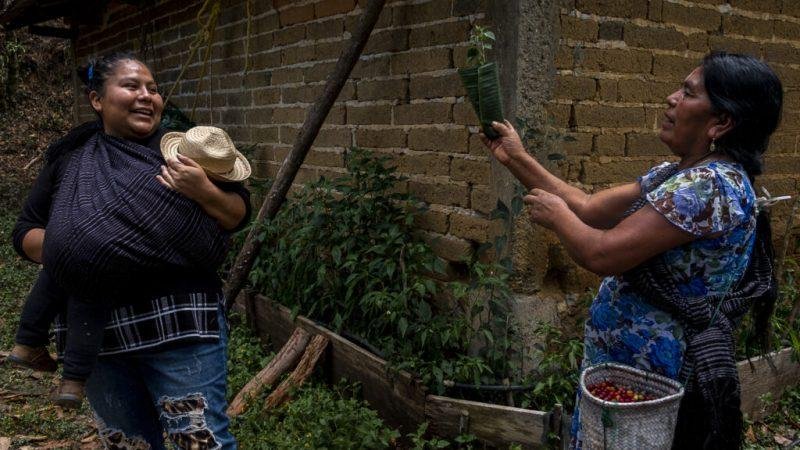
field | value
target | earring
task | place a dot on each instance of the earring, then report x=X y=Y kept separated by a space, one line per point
x=713 y=147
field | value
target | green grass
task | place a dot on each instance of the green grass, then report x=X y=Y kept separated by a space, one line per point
x=25 y=411
x=16 y=276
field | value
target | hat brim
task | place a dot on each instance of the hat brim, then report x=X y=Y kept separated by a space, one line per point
x=170 y=145
x=240 y=172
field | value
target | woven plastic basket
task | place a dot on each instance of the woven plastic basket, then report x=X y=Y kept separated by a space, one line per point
x=639 y=425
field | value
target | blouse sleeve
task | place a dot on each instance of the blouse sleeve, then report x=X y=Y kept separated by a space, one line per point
x=699 y=201
x=653 y=177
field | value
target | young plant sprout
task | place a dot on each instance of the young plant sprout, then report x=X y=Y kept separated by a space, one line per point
x=482 y=82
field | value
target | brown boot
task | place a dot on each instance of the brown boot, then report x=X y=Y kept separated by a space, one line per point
x=36 y=358
x=69 y=394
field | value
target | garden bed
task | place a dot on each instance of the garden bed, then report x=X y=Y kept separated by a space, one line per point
x=404 y=403
x=399 y=399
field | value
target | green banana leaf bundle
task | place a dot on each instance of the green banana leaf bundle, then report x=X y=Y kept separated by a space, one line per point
x=482 y=84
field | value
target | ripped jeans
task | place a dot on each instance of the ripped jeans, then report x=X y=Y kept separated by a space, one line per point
x=178 y=392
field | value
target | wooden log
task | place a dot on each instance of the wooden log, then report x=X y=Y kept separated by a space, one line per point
x=300 y=373
x=496 y=425
x=285 y=359
x=758 y=378
x=397 y=396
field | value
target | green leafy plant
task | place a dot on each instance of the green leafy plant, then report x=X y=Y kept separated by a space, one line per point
x=482 y=81
x=318 y=417
x=555 y=378
x=344 y=252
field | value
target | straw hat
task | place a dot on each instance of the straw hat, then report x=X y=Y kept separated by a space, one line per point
x=211 y=148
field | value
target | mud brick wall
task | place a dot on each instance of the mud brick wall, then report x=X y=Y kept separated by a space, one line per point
x=403 y=99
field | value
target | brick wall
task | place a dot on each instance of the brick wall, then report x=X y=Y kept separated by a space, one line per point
x=617 y=60
x=403 y=99
x=613 y=64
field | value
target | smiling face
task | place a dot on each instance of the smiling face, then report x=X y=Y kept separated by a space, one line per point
x=129 y=103
x=689 y=122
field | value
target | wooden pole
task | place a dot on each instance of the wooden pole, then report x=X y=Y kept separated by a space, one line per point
x=314 y=120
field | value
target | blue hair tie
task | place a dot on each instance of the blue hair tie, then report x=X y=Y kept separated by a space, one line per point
x=90 y=72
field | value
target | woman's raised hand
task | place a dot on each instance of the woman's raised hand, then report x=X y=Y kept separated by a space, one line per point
x=506 y=147
x=183 y=175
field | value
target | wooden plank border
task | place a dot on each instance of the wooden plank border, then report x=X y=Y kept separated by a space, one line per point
x=758 y=377
x=497 y=425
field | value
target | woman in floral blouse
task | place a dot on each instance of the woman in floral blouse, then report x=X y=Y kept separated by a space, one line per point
x=697 y=215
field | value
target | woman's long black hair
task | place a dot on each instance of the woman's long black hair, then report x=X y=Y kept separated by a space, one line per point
x=749 y=92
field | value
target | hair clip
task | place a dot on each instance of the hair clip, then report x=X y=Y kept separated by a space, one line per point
x=90 y=72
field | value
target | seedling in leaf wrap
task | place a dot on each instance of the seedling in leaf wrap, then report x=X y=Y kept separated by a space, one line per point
x=482 y=82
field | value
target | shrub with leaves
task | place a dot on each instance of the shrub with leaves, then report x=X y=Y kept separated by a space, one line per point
x=318 y=417
x=555 y=378
x=344 y=252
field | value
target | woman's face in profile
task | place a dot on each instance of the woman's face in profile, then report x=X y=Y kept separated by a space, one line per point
x=130 y=105
x=689 y=117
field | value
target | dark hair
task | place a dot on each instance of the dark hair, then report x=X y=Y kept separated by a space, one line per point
x=749 y=91
x=98 y=70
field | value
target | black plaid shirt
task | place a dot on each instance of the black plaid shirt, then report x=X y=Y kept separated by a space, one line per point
x=172 y=319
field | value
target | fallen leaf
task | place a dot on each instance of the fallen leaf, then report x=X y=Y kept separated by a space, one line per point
x=53 y=445
x=780 y=440
x=32 y=438
x=750 y=434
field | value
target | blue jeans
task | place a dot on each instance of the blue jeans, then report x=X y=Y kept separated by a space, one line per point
x=180 y=391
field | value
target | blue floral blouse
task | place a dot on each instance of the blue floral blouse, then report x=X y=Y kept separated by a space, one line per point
x=714 y=201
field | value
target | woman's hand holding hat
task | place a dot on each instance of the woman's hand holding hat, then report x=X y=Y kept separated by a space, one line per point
x=185 y=176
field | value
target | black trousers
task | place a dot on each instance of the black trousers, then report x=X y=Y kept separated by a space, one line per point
x=85 y=322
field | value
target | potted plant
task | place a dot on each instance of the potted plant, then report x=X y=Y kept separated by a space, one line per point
x=482 y=82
